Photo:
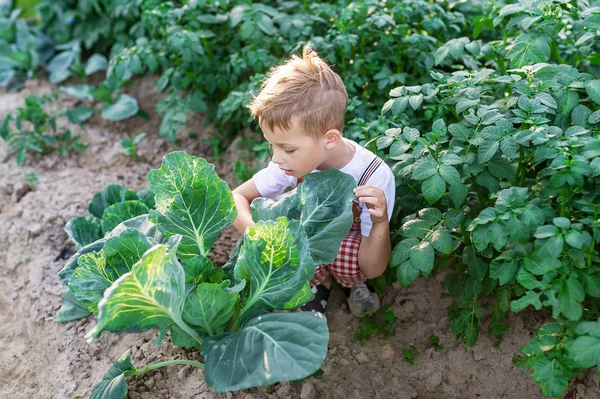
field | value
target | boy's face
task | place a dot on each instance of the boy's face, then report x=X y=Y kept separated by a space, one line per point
x=296 y=153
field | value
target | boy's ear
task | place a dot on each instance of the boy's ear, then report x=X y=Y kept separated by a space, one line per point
x=332 y=138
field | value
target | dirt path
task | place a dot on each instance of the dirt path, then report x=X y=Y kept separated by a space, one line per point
x=44 y=359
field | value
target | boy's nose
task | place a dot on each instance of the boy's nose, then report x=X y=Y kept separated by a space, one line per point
x=276 y=158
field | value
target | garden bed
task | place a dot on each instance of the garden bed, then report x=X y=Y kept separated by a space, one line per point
x=41 y=358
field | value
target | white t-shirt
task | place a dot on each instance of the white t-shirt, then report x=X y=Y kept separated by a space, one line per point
x=272 y=181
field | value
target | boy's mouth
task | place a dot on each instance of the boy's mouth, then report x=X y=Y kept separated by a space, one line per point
x=288 y=172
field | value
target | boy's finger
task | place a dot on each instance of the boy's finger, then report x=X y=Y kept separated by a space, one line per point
x=376 y=212
x=368 y=191
x=372 y=201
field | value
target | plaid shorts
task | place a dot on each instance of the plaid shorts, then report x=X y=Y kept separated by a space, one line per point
x=344 y=268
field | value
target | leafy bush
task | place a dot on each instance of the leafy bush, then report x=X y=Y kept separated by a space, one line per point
x=507 y=193
x=153 y=270
x=33 y=128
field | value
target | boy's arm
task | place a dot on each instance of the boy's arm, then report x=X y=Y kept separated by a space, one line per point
x=243 y=197
x=375 y=250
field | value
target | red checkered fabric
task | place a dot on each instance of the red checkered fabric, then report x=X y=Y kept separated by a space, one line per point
x=345 y=267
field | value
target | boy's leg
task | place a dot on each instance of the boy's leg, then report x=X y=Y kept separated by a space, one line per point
x=362 y=299
x=321 y=288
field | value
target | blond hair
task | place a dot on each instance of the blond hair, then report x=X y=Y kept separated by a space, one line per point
x=306 y=88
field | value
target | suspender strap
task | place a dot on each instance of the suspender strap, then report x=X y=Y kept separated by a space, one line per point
x=369 y=170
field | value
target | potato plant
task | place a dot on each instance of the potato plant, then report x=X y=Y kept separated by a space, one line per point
x=507 y=197
x=153 y=271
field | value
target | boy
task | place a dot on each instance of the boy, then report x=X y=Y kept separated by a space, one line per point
x=300 y=110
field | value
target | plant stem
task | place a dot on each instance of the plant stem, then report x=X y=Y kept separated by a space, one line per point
x=480 y=195
x=591 y=254
x=554 y=48
x=522 y=167
x=183 y=325
x=170 y=362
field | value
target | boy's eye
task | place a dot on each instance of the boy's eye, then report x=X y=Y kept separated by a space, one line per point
x=289 y=151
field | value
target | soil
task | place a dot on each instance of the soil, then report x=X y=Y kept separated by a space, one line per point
x=44 y=359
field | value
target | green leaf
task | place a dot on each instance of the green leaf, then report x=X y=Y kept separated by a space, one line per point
x=91 y=279
x=498 y=237
x=574 y=238
x=113 y=384
x=503 y=268
x=561 y=222
x=465 y=104
x=406 y=273
x=415 y=101
x=83 y=231
x=191 y=201
x=125 y=107
x=528 y=49
x=546 y=231
x=79 y=114
x=71 y=308
x=592 y=88
x=480 y=237
x=450 y=174
x=487 y=150
x=570 y=296
x=551 y=247
x=591 y=282
x=270 y=348
x=201 y=270
x=458 y=194
x=416 y=228
x=585 y=351
x=401 y=251
x=323 y=204
x=551 y=376
x=151 y=295
x=528 y=281
x=83 y=92
x=530 y=298
x=441 y=239
x=594 y=117
x=209 y=306
x=97 y=271
x=275 y=262
x=59 y=66
x=433 y=188
x=117 y=213
x=539 y=265
x=139 y=224
x=111 y=194
x=422 y=257
x=97 y=62
x=424 y=169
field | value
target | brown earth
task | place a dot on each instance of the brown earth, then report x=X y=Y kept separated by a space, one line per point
x=44 y=359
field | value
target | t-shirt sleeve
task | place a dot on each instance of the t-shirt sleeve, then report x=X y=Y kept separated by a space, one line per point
x=272 y=181
x=383 y=179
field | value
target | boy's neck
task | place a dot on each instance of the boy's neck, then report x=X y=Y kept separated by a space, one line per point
x=339 y=156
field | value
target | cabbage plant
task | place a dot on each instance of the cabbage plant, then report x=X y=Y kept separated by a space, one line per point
x=154 y=271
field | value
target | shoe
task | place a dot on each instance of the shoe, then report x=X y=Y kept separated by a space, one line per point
x=362 y=300
x=319 y=302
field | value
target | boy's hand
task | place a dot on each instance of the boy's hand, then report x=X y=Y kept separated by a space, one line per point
x=375 y=200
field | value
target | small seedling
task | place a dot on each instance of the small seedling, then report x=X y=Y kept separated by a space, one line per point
x=129 y=146
x=30 y=178
x=410 y=354
x=379 y=323
x=435 y=343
